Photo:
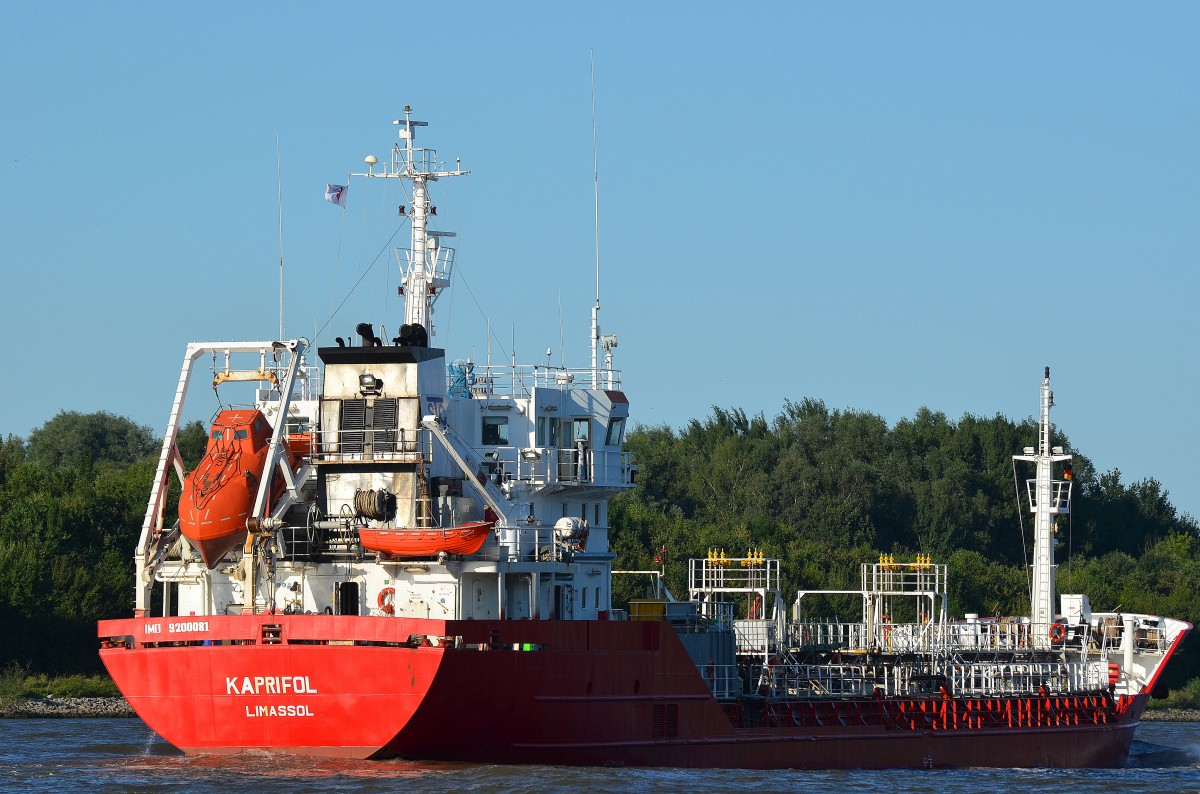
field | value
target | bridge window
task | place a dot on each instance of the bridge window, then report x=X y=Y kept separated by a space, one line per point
x=616 y=431
x=495 y=430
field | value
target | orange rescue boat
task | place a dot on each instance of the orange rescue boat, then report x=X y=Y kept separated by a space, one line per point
x=426 y=541
x=218 y=495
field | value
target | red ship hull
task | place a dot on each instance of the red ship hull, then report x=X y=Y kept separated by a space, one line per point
x=546 y=692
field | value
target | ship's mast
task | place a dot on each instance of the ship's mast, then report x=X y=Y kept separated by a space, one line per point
x=1048 y=498
x=595 y=340
x=427 y=271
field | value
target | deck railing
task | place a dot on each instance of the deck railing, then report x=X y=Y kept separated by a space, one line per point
x=519 y=381
x=974 y=637
x=971 y=680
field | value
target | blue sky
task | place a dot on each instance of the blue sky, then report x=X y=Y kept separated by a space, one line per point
x=880 y=205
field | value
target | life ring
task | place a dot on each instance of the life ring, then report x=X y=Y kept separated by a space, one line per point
x=387 y=597
x=1058 y=633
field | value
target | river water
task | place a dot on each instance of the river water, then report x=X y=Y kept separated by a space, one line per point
x=100 y=755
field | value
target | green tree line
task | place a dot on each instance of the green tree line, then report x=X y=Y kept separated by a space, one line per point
x=823 y=490
x=826 y=491
x=72 y=500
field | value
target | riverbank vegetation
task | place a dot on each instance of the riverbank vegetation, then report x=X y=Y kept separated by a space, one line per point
x=72 y=499
x=17 y=683
x=823 y=490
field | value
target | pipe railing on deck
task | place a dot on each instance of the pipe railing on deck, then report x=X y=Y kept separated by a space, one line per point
x=983 y=679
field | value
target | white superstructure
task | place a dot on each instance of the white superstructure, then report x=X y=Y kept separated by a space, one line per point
x=389 y=433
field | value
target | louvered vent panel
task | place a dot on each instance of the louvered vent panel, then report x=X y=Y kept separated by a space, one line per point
x=384 y=423
x=354 y=422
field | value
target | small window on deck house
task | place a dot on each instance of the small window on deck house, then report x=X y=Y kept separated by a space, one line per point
x=495 y=430
x=547 y=432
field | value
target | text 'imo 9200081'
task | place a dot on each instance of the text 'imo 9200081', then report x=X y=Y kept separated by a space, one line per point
x=394 y=556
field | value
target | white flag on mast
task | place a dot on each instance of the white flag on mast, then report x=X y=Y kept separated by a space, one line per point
x=336 y=194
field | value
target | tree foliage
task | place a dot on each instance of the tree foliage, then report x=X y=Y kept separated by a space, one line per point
x=73 y=440
x=71 y=502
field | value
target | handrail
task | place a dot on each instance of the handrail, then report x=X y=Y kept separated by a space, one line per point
x=977 y=636
x=506 y=380
x=958 y=679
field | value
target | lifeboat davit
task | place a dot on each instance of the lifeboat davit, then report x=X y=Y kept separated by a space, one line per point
x=426 y=541
x=218 y=495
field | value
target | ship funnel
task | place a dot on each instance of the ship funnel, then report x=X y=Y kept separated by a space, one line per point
x=368 y=335
x=412 y=335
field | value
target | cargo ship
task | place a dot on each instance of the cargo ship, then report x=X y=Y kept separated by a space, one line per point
x=389 y=554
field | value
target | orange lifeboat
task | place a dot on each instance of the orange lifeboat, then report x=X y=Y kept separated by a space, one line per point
x=218 y=495
x=426 y=541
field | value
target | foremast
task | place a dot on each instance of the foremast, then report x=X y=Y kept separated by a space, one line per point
x=1048 y=498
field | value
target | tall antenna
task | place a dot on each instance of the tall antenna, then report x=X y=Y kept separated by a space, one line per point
x=279 y=194
x=596 y=183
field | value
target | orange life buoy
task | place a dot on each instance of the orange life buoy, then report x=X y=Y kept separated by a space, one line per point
x=387 y=597
x=1058 y=633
